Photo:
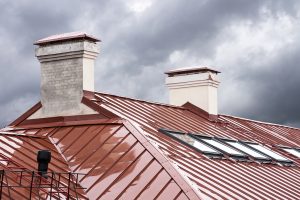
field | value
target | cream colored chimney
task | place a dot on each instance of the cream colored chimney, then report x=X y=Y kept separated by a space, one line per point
x=67 y=68
x=198 y=86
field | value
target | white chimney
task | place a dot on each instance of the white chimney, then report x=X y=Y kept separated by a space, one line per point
x=198 y=86
x=67 y=69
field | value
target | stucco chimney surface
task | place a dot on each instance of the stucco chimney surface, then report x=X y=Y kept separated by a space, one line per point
x=198 y=85
x=67 y=69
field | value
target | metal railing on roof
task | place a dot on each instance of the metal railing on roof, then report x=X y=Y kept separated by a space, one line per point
x=17 y=181
x=33 y=185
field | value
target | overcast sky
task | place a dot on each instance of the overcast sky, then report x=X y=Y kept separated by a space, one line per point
x=254 y=43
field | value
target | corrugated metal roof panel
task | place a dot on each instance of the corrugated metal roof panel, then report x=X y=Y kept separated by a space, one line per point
x=119 y=163
x=18 y=153
x=116 y=164
x=216 y=179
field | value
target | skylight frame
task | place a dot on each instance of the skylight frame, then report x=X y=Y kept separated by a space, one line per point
x=240 y=156
x=286 y=160
x=294 y=149
x=215 y=154
x=265 y=159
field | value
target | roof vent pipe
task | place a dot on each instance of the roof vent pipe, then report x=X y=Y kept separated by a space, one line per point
x=196 y=85
x=43 y=159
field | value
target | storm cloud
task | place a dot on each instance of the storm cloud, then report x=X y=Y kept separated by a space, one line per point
x=255 y=44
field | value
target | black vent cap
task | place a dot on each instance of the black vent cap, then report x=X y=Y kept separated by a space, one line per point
x=43 y=159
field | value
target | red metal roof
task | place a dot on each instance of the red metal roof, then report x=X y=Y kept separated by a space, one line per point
x=131 y=158
x=18 y=154
x=217 y=179
x=116 y=159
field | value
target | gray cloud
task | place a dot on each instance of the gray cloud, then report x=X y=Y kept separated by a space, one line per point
x=138 y=47
x=275 y=89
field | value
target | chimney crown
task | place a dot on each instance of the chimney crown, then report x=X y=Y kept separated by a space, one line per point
x=190 y=70
x=66 y=37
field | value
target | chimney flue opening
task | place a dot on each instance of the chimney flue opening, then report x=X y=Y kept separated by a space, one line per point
x=43 y=159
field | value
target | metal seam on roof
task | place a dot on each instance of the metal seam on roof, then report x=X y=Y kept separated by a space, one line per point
x=233 y=131
x=162 y=160
x=217 y=178
x=27 y=145
x=72 y=131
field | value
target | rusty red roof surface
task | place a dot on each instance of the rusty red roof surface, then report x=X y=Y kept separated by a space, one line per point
x=125 y=156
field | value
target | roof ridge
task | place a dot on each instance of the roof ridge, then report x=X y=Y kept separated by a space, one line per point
x=260 y=122
x=13 y=134
x=184 y=108
x=179 y=179
x=140 y=100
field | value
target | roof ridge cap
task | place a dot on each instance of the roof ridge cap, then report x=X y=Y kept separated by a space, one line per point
x=141 y=100
x=260 y=122
x=179 y=179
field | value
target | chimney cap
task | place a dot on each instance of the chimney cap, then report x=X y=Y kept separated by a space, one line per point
x=65 y=37
x=190 y=70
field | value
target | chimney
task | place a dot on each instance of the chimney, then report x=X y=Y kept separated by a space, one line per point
x=197 y=85
x=67 y=69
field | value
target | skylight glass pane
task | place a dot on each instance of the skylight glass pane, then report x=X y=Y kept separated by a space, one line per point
x=247 y=150
x=268 y=152
x=293 y=152
x=223 y=147
x=202 y=147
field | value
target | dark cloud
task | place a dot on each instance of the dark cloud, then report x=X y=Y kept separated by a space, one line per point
x=138 y=47
x=275 y=89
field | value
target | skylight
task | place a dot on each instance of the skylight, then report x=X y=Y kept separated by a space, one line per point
x=240 y=150
x=247 y=150
x=268 y=152
x=294 y=152
x=222 y=147
x=193 y=142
